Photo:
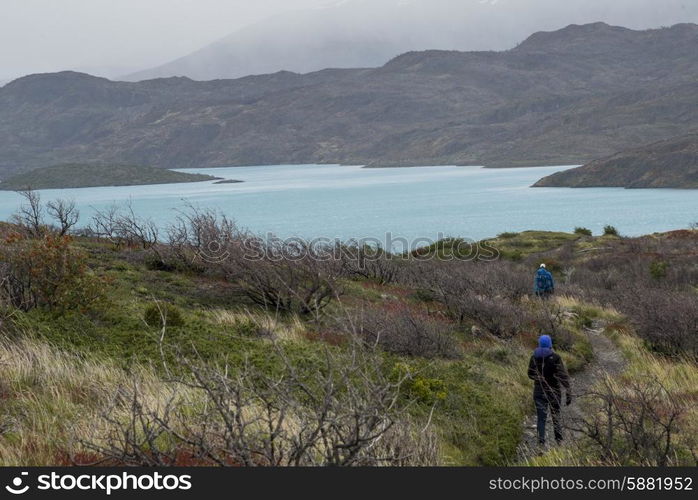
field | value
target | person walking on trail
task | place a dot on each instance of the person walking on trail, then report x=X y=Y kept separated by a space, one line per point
x=549 y=375
x=543 y=284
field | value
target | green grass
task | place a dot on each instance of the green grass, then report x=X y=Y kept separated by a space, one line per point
x=523 y=244
x=510 y=245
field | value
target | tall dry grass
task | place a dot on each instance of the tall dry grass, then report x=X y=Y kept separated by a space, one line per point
x=263 y=324
x=50 y=398
x=58 y=407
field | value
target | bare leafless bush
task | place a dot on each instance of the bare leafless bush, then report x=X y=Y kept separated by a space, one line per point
x=639 y=423
x=640 y=263
x=202 y=239
x=668 y=320
x=64 y=213
x=498 y=279
x=345 y=414
x=486 y=294
x=363 y=261
x=406 y=332
x=30 y=215
x=123 y=228
x=289 y=278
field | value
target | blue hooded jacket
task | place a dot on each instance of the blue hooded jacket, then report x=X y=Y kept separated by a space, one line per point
x=543 y=281
x=545 y=347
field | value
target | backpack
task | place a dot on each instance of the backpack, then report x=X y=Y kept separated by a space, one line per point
x=542 y=281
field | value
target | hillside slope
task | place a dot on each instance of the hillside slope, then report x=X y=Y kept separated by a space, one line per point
x=672 y=163
x=86 y=175
x=118 y=334
x=560 y=97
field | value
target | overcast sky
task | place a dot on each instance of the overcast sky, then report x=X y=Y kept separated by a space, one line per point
x=115 y=37
x=118 y=36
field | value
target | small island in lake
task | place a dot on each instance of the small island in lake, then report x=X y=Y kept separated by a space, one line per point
x=79 y=175
x=227 y=181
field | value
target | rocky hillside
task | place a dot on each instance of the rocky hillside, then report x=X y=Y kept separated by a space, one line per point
x=671 y=163
x=560 y=97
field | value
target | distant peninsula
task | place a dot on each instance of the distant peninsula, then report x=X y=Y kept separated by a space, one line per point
x=79 y=175
x=672 y=163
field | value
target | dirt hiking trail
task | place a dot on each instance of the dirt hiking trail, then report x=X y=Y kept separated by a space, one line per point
x=608 y=360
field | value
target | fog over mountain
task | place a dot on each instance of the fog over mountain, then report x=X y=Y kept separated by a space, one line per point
x=367 y=33
x=108 y=38
x=229 y=38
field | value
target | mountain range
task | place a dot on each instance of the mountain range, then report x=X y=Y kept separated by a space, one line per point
x=562 y=97
x=368 y=33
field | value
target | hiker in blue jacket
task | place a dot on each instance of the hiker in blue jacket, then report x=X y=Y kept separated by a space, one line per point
x=549 y=375
x=543 y=284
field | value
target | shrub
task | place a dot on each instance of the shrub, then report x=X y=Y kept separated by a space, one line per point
x=300 y=287
x=609 y=230
x=203 y=240
x=287 y=277
x=428 y=391
x=658 y=269
x=407 y=333
x=122 y=227
x=507 y=235
x=583 y=231
x=552 y=265
x=667 y=320
x=46 y=272
x=370 y=263
x=638 y=422
x=160 y=315
x=486 y=294
x=500 y=318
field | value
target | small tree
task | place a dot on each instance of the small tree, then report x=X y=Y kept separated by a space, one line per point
x=30 y=215
x=583 y=231
x=65 y=213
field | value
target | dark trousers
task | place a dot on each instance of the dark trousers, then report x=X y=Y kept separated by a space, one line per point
x=548 y=400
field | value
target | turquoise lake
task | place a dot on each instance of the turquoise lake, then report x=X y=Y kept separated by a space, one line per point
x=333 y=201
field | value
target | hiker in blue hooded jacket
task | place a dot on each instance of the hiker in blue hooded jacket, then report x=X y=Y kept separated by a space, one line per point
x=549 y=375
x=543 y=284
